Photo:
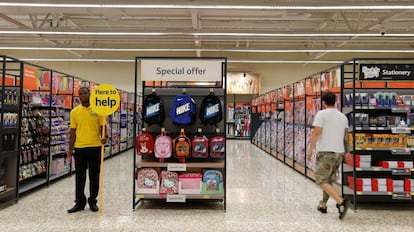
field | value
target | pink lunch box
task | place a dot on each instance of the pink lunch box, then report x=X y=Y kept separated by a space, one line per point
x=190 y=180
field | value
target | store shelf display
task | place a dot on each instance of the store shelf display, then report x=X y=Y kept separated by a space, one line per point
x=188 y=162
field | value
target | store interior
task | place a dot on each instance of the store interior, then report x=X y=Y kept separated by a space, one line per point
x=274 y=61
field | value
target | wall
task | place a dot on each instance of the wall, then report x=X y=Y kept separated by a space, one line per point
x=121 y=75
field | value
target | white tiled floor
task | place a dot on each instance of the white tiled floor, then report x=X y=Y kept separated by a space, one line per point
x=263 y=195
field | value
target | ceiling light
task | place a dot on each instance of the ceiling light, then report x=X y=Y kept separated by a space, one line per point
x=237 y=34
x=403 y=50
x=212 y=7
x=228 y=61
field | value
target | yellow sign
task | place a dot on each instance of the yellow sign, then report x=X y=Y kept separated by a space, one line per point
x=104 y=99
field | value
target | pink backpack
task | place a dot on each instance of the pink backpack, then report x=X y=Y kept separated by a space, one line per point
x=147 y=178
x=163 y=146
x=169 y=183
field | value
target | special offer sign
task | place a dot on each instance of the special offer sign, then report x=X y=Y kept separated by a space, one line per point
x=181 y=70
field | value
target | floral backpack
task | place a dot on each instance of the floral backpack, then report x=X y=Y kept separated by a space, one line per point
x=147 y=178
x=169 y=183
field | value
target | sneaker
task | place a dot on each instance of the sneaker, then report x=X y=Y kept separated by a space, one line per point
x=322 y=209
x=342 y=209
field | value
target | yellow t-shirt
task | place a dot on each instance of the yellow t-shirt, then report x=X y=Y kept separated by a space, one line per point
x=87 y=124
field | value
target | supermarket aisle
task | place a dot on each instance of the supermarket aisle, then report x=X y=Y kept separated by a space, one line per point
x=263 y=195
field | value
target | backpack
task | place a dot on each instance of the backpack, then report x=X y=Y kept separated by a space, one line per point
x=153 y=109
x=212 y=180
x=144 y=143
x=199 y=145
x=211 y=111
x=182 y=146
x=183 y=110
x=217 y=147
x=147 y=178
x=163 y=146
x=169 y=182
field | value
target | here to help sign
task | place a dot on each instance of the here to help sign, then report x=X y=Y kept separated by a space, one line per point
x=181 y=70
x=104 y=99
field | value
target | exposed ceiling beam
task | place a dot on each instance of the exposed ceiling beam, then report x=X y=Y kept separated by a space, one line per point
x=21 y=25
x=44 y=20
x=367 y=28
x=195 y=19
x=33 y=19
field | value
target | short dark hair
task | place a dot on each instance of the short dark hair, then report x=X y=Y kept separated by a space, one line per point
x=329 y=98
x=84 y=88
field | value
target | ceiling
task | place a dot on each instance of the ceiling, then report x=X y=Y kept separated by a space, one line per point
x=289 y=30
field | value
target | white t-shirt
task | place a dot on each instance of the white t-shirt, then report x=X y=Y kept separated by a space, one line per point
x=333 y=124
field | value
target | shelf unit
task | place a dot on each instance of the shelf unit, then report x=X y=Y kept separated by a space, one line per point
x=380 y=166
x=10 y=94
x=167 y=88
x=238 y=113
x=43 y=103
x=286 y=117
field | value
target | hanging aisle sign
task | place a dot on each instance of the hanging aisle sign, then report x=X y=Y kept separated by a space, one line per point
x=181 y=70
x=386 y=72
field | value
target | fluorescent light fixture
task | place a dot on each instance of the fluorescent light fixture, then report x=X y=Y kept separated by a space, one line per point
x=89 y=33
x=208 y=50
x=237 y=34
x=212 y=7
x=229 y=61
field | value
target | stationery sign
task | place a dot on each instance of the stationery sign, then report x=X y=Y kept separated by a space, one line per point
x=386 y=72
x=181 y=70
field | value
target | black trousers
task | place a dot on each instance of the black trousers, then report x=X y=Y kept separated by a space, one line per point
x=89 y=157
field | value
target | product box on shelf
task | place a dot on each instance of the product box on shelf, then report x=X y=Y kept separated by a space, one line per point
x=409 y=185
x=190 y=183
x=361 y=184
x=379 y=184
x=395 y=185
x=361 y=161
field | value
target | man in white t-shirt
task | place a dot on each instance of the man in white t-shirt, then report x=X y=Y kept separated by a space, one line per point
x=330 y=128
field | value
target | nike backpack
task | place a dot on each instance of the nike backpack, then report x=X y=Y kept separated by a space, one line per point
x=211 y=111
x=147 y=179
x=169 y=183
x=163 y=146
x=144 y=143
x=153 y=109
x=199 y=145
x=183 y=110
x=182 y=146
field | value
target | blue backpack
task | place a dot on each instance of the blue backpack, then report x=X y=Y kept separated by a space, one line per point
x=183 y=110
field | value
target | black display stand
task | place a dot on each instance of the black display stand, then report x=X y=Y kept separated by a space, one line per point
x=10 y=94
x=167 y=90
x=380 y=168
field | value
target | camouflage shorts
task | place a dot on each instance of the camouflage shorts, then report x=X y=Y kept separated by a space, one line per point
x=327 y=164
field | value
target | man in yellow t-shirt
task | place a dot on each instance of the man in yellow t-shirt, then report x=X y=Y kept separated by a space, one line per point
x=85 y=139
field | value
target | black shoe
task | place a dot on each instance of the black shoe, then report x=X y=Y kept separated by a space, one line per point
x=76 y=208
x=322 y=209
x=342 y=209
x=93 y=207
